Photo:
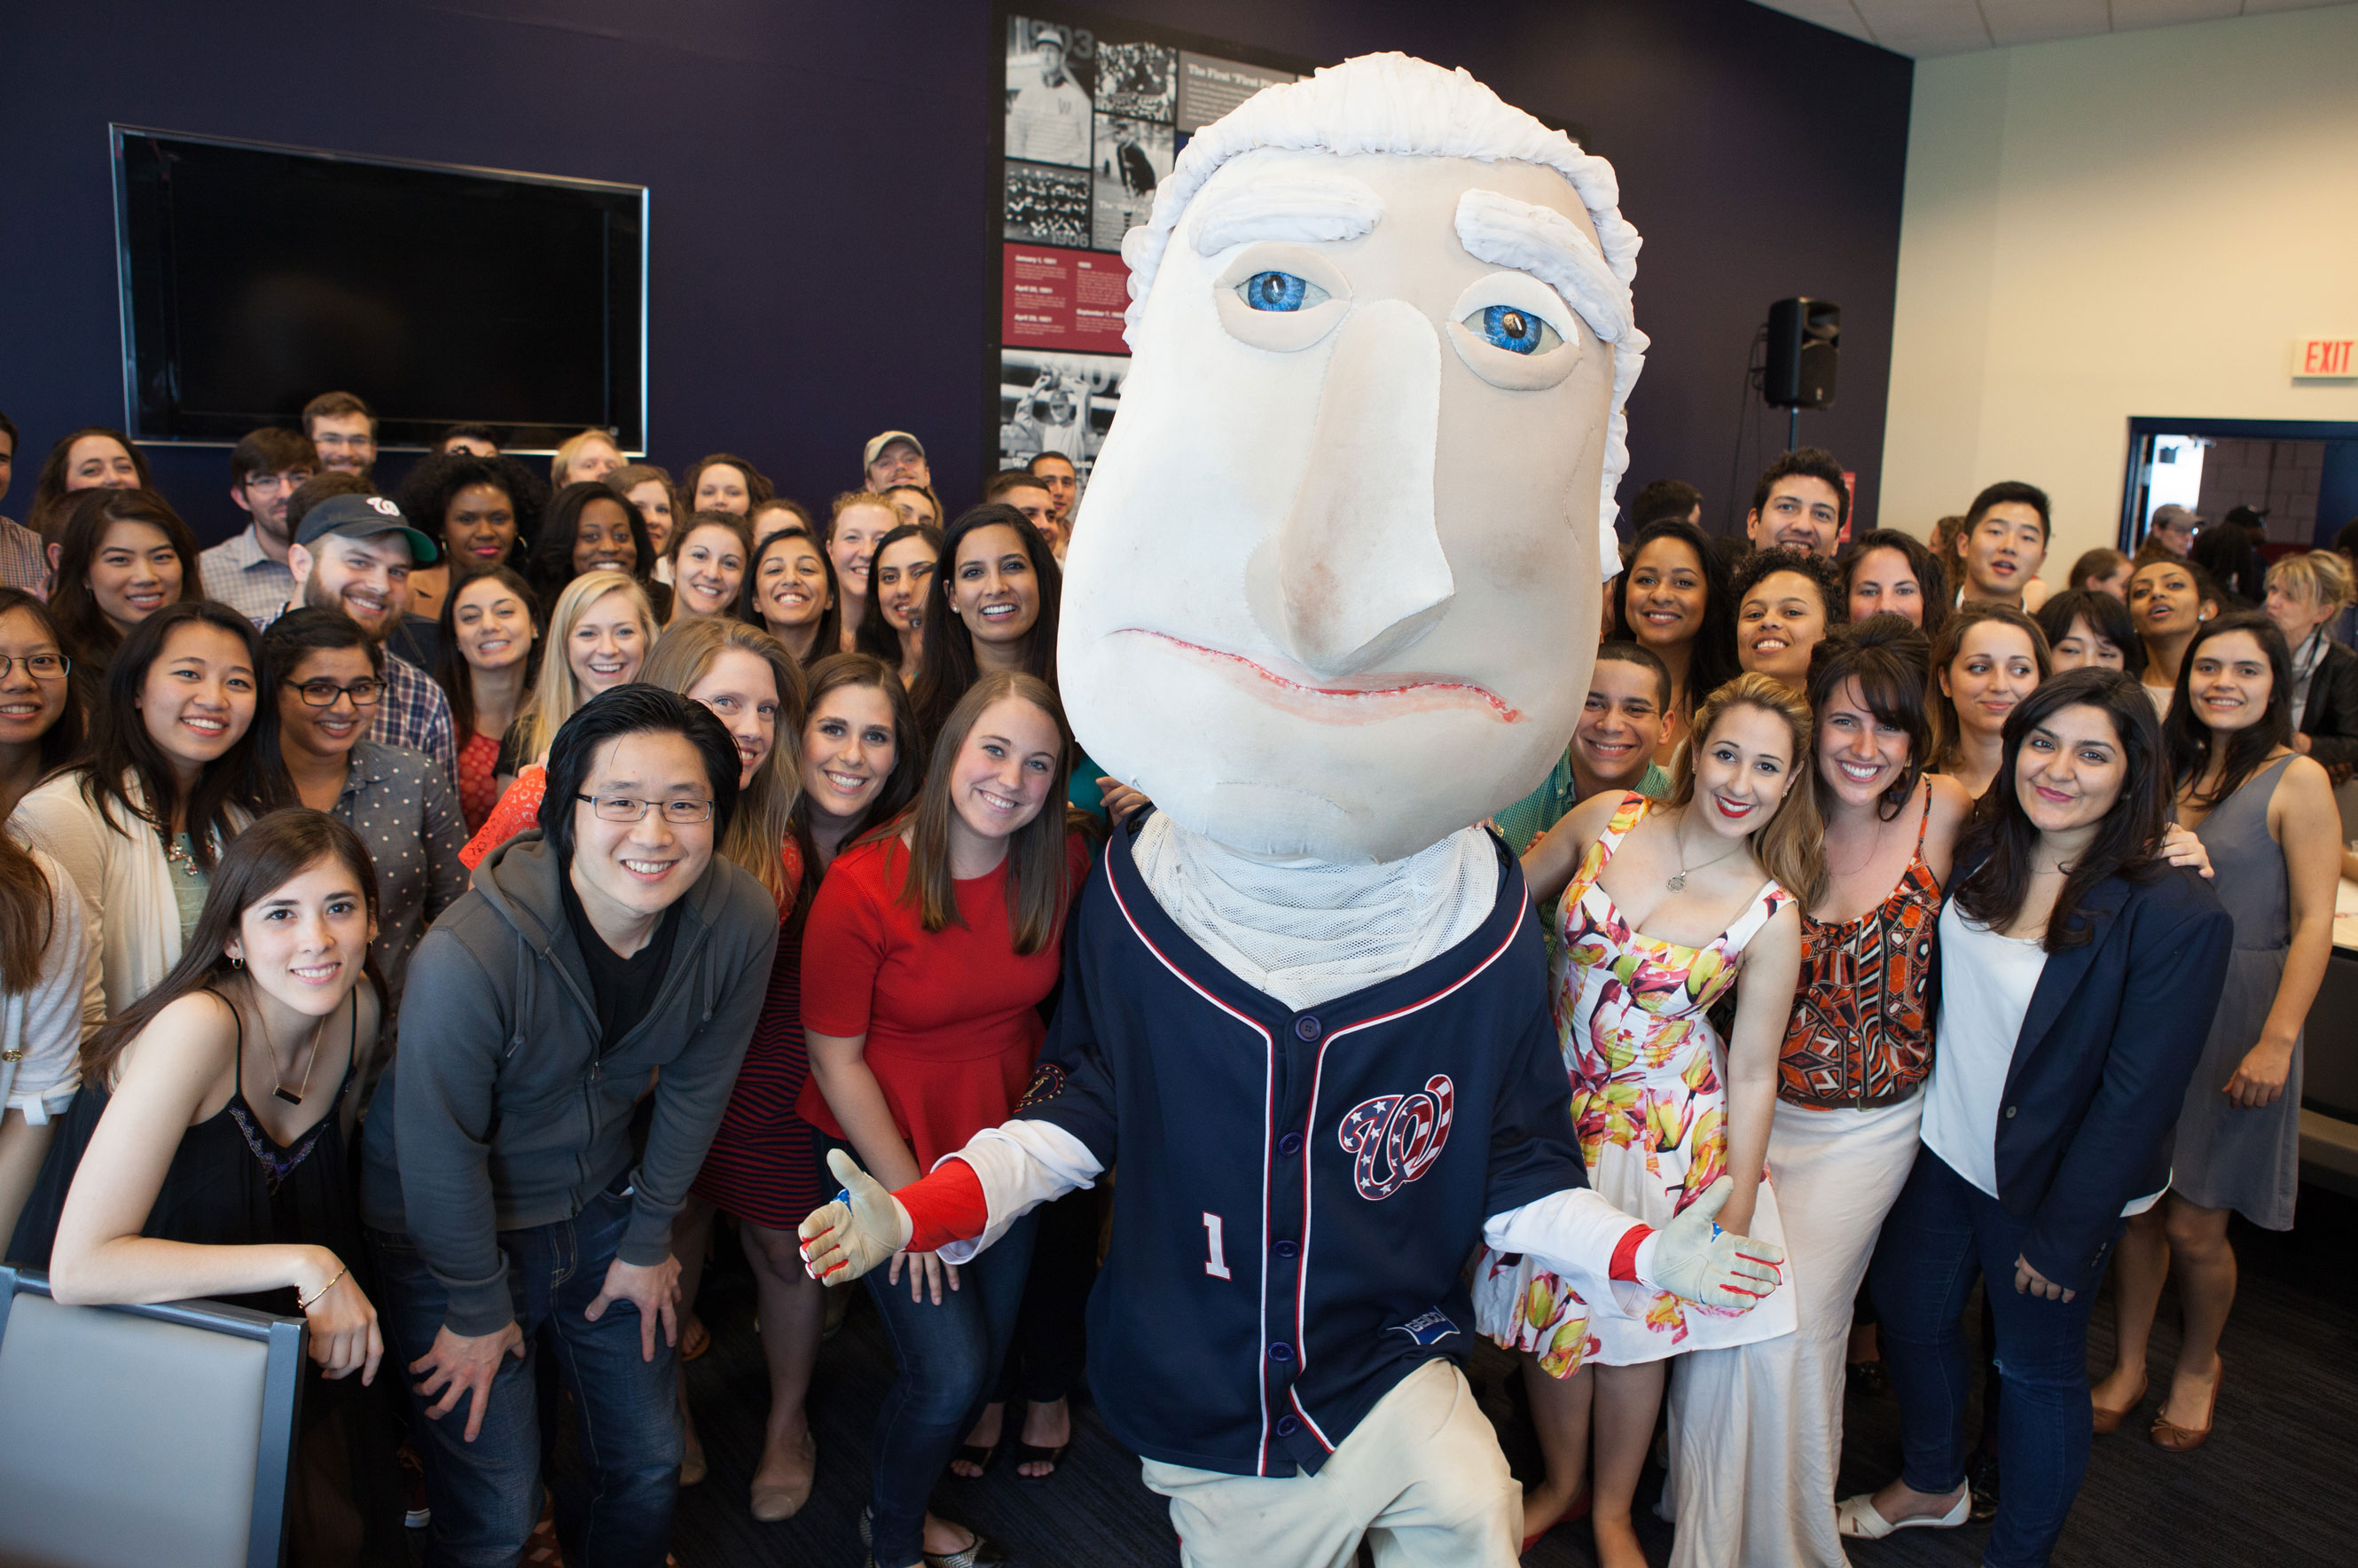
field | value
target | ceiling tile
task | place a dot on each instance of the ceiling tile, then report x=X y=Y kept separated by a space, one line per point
x=2014 y=22
x=1924 y=28
x=1927 y=29
x=1838 y=15
x=2132 y=14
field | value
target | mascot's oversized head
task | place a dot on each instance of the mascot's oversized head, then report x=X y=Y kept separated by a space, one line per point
x=1334 y=589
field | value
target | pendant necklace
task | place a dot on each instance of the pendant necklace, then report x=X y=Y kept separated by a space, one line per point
x=1678 y=883
x=278 y=1083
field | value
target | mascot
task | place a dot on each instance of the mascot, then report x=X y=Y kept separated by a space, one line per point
x=1333 y=597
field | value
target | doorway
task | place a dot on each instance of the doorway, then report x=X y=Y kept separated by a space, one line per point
x=2299 y=475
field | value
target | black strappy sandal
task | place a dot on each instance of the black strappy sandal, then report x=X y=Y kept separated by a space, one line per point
x=1030 y=1453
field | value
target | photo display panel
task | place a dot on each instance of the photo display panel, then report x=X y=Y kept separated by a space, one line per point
x=1098 y=111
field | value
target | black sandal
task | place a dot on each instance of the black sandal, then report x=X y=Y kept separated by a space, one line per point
x=1031 y=1454
x=975 y=1454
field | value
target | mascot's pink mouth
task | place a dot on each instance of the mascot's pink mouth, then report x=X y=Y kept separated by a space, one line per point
x=1361 y=699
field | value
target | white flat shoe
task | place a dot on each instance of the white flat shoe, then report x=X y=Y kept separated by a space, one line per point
x=1856 y=1518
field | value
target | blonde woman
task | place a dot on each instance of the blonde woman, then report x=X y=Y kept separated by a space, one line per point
x=599 y=637
x=593 y=454
x=754 y=686
x=856 y=522
x=2306 y=594
x=1677 y=896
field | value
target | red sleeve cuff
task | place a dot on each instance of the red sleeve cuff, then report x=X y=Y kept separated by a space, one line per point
x=946 y=1207
x=1625 y=1254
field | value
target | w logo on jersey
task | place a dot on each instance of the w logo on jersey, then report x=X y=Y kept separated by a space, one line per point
x=1402 y=1133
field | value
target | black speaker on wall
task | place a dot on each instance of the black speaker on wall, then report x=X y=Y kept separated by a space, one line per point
x=1803 y=336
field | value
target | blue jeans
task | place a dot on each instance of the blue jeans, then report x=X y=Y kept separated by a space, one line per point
x=948 y=1358
x=486 y=1494
x=1942 y=1235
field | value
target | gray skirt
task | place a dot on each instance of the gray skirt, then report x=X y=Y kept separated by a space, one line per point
x=2226 y=1156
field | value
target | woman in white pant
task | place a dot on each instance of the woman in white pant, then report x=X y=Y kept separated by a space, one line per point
x=1765 y=1419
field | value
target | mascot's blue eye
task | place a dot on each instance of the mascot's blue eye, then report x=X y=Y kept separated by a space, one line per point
x=1281 y=291
x=1512 y=329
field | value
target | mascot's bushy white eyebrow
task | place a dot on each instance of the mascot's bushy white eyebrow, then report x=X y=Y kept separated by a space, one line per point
x=1395 y=104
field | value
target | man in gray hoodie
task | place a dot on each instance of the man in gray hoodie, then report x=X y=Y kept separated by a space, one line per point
x=610 y=958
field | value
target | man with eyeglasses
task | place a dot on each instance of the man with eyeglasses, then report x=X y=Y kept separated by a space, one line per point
x=249 y=573
x=609 y=956
x=344 y=429
x=354 y=553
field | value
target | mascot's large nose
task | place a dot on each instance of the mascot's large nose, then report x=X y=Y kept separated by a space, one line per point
x=1361 y=568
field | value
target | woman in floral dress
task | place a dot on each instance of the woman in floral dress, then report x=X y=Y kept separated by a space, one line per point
x=1662 y=1107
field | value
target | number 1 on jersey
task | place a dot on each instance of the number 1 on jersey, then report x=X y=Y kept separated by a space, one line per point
x=1215 y=1262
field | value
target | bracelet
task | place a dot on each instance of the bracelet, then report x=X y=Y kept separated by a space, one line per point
x=302 y=1305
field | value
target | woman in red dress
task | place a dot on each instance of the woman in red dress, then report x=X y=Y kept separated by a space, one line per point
x=932 y=944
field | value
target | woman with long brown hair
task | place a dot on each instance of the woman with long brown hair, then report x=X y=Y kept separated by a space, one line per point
x=991 y=607
x=1985 y=662
x=205 y=1155
x=932 y=943
x=96 y=457
x=2079 y=975
x=122 y=555
x=167 y=779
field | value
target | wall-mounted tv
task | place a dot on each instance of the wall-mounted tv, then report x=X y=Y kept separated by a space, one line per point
x=255 y=277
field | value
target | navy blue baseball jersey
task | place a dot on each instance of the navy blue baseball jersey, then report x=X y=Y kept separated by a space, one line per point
x=1298 y=1191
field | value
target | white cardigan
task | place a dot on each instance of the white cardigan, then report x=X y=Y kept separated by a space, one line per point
x=41 y=1030
x=124 y=878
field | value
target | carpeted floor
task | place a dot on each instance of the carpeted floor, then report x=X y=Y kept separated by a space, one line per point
x=2270 y=1487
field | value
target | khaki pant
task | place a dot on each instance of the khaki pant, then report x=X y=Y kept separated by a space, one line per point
x=1421 y=1478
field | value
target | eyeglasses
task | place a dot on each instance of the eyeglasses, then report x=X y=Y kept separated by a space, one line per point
x=623 y=808
x=273 y=482
x=40 y=666
x=323 y=693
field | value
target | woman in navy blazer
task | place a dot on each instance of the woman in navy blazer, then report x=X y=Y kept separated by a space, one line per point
x=2076 y=978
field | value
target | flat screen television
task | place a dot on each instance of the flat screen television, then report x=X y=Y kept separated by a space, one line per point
x=255 y=277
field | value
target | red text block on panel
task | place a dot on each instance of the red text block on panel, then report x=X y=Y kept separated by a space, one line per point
x=1063 y=300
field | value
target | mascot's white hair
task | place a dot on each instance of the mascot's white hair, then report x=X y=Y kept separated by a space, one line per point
x=1396 y=104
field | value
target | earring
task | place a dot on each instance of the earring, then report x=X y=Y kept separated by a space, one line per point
x=235 y=962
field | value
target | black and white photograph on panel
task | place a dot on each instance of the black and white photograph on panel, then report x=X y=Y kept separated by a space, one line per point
x=1050 y=67
x=1141 y=80
x=1048 y=206
x=1133 y=158
x=1056 y=403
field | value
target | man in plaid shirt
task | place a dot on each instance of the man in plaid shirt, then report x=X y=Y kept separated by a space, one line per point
x=354 y=553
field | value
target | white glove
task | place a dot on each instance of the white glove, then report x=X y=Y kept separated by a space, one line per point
x=1697 y=1261
x=859 y=1230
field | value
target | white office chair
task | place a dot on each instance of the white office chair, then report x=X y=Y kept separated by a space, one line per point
x=137 y=1435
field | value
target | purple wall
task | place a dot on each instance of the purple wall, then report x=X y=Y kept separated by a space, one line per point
x=819 y=195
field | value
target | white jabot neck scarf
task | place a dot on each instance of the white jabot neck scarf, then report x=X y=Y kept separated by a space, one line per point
x=1308 y=931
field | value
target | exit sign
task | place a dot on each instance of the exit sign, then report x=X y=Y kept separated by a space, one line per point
x=2324 y=358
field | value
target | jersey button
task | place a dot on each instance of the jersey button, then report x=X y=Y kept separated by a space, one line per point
x=1281 y=1352
x=1290 y=1145
x=1287 y=1426
x=1285 y=1248
x=1307 y=1027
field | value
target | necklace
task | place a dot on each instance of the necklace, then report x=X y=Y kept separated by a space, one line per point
x=1679 y=883
x=174 y=855
x=278 y=1084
